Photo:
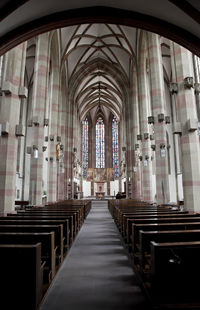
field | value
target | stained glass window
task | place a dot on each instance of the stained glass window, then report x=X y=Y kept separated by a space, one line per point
x=115 y=146
x=85 y=146
x=100 y=144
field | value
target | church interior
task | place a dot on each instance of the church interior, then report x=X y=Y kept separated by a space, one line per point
x=99 y=159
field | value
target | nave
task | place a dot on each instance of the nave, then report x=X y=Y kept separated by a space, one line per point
x=96 y=273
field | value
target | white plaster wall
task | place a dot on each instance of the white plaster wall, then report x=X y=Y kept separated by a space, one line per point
x=86 y=188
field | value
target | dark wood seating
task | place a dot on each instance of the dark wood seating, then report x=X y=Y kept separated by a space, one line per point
x=21 y=276
x=160 y=226
x=71 y=217
x=30 y=220
x=175 y=273
x=146 y=237
x=57 y=229
x=160 y=220
x=48 y=249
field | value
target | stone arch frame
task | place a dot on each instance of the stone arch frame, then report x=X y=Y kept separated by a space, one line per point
x=99 y=14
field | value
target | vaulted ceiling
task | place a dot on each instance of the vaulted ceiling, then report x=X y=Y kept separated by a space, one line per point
x=102 y=44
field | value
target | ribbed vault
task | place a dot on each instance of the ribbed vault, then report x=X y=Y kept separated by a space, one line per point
x=104 y=46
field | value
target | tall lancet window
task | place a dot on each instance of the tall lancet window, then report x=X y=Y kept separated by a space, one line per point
x=115 y=146
x=85 y=146
x=100 y=144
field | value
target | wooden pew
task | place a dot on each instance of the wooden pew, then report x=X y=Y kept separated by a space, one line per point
x=57 y=229
x=175 y=274
x=159 y=220
x=46 y=220
x=21 y=276
x=146 y=237
x=160 y=226
x=48 y=249
x=71 y=217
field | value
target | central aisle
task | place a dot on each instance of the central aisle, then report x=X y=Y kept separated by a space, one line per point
x=96 y=274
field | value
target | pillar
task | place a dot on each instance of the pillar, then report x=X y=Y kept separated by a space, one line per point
x=13 y=78
x=187 y=116
x=38 y=114
x=158 y=108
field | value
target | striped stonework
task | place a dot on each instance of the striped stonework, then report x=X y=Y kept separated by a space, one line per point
x=39 y=102
x=189 y=140
x=158 y=107
x=10 y=112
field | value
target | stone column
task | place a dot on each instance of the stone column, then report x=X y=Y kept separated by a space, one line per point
x=144 y=104
x=134 y=130
x=9 y=118
x=183 y=74
x=53 y=134
x=158 y=108
x=108 y=148
x=39 y=102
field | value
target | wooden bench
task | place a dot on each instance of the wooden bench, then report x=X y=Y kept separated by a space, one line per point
x=146 y=237
x=159 y=226
x=158 y=220
x=57 y=229
x=175 y=273
x=71 y=217
x=46 y=220
x=21 y=276
x=48 y=250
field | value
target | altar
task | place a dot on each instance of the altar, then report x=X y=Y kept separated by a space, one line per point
x=100 y=195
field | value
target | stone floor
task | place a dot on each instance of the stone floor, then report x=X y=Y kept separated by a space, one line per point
x=96 y=274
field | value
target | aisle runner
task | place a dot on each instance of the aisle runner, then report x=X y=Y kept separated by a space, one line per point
x=96 y=274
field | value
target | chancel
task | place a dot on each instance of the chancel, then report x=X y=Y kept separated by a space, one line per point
x=99 y=155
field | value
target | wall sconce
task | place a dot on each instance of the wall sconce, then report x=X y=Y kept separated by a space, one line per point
x=137 y=146
x=35 y=121
x=162 y=150
x=146 y=135
x=173 y=88
x=35 y=152
x=188 y=82
x=44 y=148
x=167 y=119
x=197 y=88
x=139 y=137
x=151 y=120
x=51 y=138
x=46 y=122
x=161 y=117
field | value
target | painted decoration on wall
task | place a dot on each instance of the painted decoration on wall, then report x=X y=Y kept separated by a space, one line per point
x=110 y=174
x=85 y=147
x=115 y=146
x=100 y=175
x=90 y=174
x=100 y=144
